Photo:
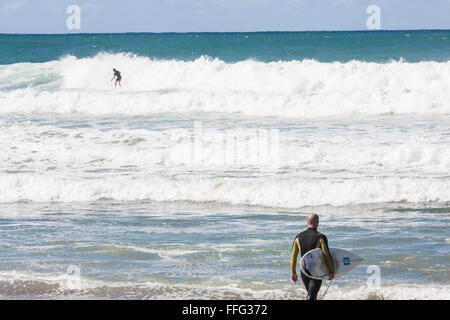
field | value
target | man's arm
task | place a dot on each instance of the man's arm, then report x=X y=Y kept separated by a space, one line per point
x=294 y=255
x=323 y=245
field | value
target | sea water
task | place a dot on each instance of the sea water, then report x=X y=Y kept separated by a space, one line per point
x=192 y=179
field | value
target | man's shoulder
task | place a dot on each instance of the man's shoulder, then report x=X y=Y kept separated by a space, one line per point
x=321 y=235
x=306 y=233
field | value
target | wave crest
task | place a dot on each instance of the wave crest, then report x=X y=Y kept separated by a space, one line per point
x=294 y=89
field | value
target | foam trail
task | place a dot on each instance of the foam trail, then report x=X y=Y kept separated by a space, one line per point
x=293 y=89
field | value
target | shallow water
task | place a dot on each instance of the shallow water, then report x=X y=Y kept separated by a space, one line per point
x=185 y=250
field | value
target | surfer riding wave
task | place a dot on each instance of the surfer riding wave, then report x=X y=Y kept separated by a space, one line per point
x=117 y=76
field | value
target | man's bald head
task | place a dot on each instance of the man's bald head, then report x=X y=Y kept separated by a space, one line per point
x=313 y=220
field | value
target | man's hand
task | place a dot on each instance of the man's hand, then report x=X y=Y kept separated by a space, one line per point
x=331 y=277
x=294 y=277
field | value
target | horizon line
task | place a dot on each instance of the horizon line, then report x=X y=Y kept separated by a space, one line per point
x=222 y=32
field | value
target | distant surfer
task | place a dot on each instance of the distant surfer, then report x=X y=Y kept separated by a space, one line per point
x=304 y=242
x=117 y=76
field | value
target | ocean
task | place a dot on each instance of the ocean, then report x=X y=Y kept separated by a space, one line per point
x=192 y=179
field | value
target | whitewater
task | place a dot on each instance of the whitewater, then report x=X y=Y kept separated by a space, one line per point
x=288 y=89
x=192 y=179
x=331 y=157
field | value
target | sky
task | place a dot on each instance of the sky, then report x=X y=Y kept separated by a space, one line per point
x=111 y=16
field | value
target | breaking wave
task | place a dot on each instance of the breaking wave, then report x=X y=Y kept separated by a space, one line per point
x=292 y=89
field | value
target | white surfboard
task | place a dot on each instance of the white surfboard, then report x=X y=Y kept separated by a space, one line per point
x=313 y=263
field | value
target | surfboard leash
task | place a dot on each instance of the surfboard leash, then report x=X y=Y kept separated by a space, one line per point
x=326 y=290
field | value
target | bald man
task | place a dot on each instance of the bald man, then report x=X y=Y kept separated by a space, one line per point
x=304 y=242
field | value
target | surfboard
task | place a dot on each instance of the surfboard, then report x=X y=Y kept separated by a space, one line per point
x=313 y=263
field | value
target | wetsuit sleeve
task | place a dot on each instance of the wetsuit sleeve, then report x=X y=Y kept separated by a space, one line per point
x=323 y=245
x=294 y=254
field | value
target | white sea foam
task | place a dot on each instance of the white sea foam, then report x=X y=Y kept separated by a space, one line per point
x=289 y=193
x=147 y=149
x=48 y=163
x=32 y=285
x=326 y=164
x=296 y=89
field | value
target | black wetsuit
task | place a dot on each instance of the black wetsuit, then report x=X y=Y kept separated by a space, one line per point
x=308 y=240
x=117 y=75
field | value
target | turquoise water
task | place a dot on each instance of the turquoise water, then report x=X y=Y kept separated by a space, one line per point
x=376 y=46
x=192 y=179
